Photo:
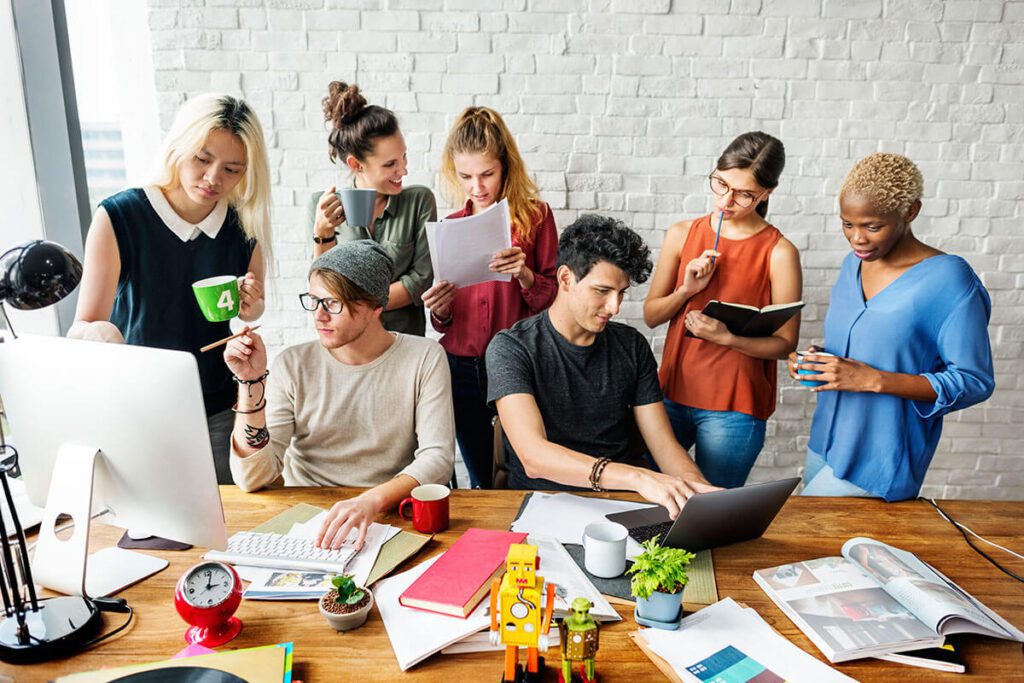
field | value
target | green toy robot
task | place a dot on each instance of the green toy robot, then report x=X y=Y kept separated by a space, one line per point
x=579 y=642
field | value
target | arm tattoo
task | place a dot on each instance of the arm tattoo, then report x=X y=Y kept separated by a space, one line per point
x=256 y=437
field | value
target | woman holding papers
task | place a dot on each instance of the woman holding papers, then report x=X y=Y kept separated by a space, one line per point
x=205 y=213
x=367 y=140
x=908 y=329
x=720 y=387
x=482 y=165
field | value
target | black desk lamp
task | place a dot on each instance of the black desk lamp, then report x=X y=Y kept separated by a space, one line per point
x=33 y=275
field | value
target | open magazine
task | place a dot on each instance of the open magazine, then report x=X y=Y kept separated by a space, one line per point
x=875 y=600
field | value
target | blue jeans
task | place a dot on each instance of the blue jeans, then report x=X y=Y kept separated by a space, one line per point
x=727 y=442
x=220 y=426
x=474 y=419
x=820 y=480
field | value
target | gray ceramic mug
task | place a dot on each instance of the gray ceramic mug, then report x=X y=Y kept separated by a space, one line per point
x=358 y=205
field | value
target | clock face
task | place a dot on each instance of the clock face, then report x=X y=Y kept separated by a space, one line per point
x=208 y=585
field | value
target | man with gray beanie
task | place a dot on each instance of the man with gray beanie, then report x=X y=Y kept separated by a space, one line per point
x=361 y=406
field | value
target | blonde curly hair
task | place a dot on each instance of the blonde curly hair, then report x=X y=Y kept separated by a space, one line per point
x=891 y=182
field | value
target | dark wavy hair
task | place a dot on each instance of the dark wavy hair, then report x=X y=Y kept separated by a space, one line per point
x=355 y=125
x=592 y=238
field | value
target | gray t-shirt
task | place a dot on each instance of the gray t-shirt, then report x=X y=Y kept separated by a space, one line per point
x=585 y=393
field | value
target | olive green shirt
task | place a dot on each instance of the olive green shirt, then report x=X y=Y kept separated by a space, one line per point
x=401 y=232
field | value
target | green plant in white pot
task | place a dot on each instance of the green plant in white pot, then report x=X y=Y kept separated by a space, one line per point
x=659 y=576
x=347 y=605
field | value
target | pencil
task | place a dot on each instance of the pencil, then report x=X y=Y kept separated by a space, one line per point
x=718 y=232
x=225 y=340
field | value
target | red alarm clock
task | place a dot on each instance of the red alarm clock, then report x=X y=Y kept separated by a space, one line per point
x=206 y=597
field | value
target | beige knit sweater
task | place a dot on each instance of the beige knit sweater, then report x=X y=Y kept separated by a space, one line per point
x=333 y=424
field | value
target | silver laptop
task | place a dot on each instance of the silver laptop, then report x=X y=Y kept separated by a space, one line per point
x=710 y=520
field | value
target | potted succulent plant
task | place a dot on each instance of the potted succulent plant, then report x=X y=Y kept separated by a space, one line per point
x=659 y=575
x=347 y=605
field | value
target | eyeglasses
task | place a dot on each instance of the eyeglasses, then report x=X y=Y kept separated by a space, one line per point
x=311 y=303
x=743 y=198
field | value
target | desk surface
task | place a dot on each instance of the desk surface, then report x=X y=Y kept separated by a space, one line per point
x=806 y=528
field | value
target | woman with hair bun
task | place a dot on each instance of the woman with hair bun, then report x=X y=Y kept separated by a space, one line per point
x=720 y=387
x=205 y=213
x=367 y=140
x=907 y=330
x=482 y=165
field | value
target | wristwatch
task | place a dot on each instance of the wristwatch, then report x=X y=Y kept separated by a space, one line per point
x=326 y=240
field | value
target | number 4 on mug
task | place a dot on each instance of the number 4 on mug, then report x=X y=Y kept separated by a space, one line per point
x=226 y=301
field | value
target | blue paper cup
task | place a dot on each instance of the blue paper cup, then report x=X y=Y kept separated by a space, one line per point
x=800 y=371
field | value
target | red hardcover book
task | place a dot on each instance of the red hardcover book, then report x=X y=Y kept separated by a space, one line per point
x=461 y=577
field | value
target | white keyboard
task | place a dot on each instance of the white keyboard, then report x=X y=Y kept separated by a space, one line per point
x=274 y=551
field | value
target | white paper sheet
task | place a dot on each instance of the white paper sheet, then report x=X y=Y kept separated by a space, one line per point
x=564 y=516
x=558 y=567
x=416 y=634
x=462 y=248
x=699 y=643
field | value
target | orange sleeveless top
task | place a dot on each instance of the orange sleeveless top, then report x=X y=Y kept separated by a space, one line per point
x=709 y=376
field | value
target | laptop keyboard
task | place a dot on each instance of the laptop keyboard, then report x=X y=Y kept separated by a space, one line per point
x=644 y=533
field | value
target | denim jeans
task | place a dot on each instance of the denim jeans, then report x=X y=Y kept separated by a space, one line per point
x=727 y=442
x=474 y=419
x=820 y=480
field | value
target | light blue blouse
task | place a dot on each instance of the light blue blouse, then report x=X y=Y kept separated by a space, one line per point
x=931 y=321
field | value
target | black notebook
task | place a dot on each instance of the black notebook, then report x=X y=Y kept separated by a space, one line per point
x=750 y=321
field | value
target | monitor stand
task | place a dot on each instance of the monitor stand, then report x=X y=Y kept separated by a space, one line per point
x=61 y=565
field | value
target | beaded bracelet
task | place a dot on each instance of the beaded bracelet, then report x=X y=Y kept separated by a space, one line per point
x=596 y=471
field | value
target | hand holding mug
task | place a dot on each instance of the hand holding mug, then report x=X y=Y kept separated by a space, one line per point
x=250 y=293
x=246 y=356
x=329 y=213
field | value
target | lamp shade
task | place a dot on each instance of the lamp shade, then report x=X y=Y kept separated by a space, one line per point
x=37 y=273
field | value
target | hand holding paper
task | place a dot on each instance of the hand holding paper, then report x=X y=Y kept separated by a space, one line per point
x=467 y=251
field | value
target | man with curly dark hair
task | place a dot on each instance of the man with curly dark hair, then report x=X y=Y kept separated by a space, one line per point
x=568 y=382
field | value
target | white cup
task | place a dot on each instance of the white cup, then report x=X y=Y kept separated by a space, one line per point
x=604 y=549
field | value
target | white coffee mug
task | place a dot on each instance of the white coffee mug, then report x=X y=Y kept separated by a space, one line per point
x=604 y=549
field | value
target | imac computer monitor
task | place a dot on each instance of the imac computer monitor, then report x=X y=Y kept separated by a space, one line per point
x=142 y=408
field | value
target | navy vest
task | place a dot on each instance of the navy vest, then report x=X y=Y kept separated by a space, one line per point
x=154 y=305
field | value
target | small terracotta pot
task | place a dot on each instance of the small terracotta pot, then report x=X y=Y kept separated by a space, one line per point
x=352 y=620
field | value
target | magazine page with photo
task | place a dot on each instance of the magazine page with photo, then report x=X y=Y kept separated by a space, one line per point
x=935 y=600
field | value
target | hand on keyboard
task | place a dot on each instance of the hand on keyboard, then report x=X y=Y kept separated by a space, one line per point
x=344 y=517
x=282 y=552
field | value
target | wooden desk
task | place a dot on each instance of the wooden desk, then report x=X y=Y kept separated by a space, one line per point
x=805 y=529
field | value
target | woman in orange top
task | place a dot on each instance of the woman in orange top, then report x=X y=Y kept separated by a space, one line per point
x=720 y=387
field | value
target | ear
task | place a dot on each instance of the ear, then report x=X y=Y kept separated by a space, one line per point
x=353 y=164
x=912 y=212
x=564 y=276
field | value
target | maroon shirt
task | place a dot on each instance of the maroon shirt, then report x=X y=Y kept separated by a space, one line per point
x=481 y=311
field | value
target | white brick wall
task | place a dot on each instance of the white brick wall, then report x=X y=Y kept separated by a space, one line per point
x=622 y=107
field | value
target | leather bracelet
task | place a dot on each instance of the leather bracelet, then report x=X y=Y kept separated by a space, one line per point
x=326 y=240
x=595 y=473
x=256 y=409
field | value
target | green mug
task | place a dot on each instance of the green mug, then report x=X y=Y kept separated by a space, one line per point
x=218 y=297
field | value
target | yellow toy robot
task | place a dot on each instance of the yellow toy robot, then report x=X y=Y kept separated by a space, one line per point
x=516 y=619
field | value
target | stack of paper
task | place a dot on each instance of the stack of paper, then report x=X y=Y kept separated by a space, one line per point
x=564 y=516
x=727 y=642
x=416 y=634
x=461 y=249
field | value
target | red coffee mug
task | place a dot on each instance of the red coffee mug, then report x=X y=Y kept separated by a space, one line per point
x=429 y=508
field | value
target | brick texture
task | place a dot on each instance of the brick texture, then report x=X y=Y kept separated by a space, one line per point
x=622 y=107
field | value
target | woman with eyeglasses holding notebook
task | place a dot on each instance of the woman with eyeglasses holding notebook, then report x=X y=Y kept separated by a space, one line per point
x=720 y=386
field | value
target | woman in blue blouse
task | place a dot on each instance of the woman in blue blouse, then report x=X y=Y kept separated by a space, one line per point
x=908 y=329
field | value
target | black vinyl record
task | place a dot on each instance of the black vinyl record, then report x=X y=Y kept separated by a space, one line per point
x=181 y=674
